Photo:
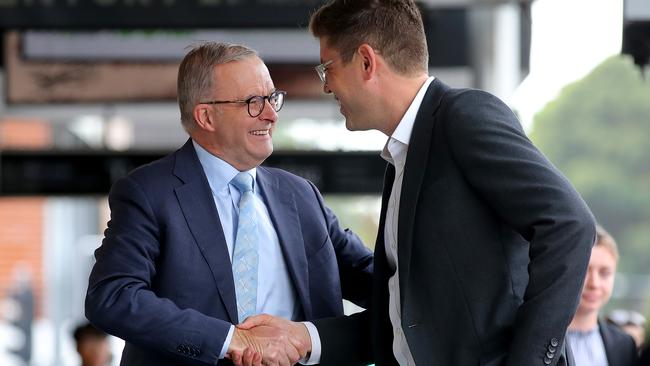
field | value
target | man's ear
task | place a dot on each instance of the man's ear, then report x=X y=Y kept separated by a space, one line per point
x=204 y=119
x=369 y=59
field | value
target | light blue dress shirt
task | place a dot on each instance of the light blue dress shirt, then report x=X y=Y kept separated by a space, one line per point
x=587 y=347
x=275 y=292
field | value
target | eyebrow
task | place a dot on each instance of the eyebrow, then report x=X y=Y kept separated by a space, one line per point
x=256 y=95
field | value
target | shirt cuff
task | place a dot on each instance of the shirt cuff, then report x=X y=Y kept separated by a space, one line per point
x=226 y=343
x=313 y=357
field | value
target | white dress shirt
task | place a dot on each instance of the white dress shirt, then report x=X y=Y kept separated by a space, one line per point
x=395 y=153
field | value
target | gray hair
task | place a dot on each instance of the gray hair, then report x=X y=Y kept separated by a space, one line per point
x=195 y=74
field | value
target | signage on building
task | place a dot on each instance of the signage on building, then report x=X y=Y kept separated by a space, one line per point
x=23 y=14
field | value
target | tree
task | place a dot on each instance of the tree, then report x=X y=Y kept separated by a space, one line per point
x=597 y=133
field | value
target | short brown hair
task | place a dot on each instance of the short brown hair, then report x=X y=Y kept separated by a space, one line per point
x=604 y=239
x=393 y=27
x=195 y=74
x=86 y=331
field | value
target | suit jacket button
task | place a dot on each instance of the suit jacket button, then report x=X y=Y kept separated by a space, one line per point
x=552 y=349
x=547 y=361
x=550 y=355
x=554 y=342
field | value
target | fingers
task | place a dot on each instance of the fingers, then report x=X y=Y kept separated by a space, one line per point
x=300 y=338
x=255 y=320
x=292 y=353
x=277 y=353
x=270 y=341
x=235 y=357
x=246 y=358
x=251 y=358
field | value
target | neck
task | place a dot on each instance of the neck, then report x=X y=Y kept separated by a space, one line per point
x=584 y=321
x=397 y=101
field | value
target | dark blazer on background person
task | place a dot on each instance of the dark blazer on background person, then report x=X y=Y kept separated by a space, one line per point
x=163 y=278
x=620 y=348
x=644 y=357
x=493 y=245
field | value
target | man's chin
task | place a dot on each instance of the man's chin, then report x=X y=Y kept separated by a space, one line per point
x=349 y=124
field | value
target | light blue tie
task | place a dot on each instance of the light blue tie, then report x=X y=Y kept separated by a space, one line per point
x=245 y=257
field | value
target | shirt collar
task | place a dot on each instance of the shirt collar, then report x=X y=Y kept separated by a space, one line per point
x=405 y=126
x=218 y=171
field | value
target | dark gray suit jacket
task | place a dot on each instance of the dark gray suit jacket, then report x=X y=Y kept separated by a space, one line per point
x=163 y=279
x=493 y=245
x=619 y=346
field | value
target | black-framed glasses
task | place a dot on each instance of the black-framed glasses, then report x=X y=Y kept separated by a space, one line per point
x=256 y=103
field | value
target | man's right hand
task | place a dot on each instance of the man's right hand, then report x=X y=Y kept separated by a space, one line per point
x=265 y=345
x=298 y=332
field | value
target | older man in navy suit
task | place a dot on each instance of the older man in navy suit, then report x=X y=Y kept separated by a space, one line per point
x=205 y=237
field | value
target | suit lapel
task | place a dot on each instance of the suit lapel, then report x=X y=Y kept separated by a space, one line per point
x=606 y=335
x=284 y=215
x=197 y=204
x=381 y=323
x=380 y=262
x=415 y=167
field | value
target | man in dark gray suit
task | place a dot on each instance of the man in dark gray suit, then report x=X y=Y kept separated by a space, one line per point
x=482 y=244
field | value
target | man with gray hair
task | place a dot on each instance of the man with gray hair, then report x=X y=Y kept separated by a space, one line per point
x=205 y=237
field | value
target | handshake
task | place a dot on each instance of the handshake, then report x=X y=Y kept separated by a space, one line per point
x=268 y=340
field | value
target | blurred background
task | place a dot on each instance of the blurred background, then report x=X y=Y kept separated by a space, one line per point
x=88 y=93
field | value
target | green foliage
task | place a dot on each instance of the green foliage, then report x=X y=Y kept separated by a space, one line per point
x=359 y=213
x=597 y=132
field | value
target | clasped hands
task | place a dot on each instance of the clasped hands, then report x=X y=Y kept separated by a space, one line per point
x=269 y=341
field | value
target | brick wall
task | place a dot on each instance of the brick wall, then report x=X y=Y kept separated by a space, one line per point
x=24 y=134
x=21 y=243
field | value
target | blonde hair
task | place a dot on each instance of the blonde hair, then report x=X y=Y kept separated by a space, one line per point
x=605 y=240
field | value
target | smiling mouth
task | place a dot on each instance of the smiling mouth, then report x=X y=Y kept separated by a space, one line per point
x=591 y=297
x=260 y=132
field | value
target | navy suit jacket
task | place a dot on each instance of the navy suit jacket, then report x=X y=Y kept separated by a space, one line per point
x=493 y=245
x=163 y=279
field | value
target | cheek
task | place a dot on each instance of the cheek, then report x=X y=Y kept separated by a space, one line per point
x=609 y=285
x=237 y=137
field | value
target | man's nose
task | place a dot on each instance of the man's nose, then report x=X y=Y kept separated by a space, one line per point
x=268 y=113
x=326 y=88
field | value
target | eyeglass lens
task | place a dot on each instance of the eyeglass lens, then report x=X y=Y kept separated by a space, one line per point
x=256 y=103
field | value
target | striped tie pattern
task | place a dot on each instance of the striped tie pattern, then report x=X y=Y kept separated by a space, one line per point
x=245 y=257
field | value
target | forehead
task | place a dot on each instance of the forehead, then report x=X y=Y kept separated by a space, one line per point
x=249 y=74
x=602 y=256
x=326 y=50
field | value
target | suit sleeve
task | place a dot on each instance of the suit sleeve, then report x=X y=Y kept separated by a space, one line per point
x=120 y=299
x=524 y=189
x=345 y=340
x=355 y=260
